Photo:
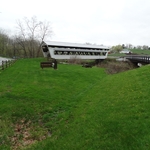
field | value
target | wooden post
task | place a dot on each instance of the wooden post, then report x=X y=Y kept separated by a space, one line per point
x=55 y=64
x=2 y=65
x=9 y=61
x=6 y=63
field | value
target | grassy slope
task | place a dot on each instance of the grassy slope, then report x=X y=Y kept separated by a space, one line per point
x=82 y=108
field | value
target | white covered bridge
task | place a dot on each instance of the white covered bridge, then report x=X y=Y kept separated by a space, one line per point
x=64 y=50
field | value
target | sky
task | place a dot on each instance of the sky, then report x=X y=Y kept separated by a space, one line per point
x=107 y=22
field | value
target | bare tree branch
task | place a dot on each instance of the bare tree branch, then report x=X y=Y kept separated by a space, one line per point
x=33 y=32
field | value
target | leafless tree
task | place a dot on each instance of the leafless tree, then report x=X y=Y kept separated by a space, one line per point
x=145 y=47
x=130 y=46
x=31 y=33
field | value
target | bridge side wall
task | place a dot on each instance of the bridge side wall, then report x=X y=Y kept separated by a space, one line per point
x=63 y=52
x=52 y=55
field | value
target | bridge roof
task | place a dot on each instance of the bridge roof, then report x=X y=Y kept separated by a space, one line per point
x=66 y=44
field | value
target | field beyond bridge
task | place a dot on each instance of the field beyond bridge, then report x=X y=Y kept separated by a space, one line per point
x=73 y=108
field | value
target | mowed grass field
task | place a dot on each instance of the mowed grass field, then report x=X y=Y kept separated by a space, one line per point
x=73 y=108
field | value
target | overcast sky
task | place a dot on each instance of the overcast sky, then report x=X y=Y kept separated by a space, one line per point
x=107 y=22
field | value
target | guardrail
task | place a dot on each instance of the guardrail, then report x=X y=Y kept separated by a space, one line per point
x=6 y=63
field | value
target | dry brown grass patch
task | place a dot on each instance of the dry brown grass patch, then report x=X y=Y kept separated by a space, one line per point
x=26 y=134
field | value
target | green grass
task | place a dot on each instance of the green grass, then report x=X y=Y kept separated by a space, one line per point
x=73 y=108
x=141 y=52
x=116 y=54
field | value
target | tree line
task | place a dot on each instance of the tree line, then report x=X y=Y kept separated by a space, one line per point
x=119 y=47
x=26 y=42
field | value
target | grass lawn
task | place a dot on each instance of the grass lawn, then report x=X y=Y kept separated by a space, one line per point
x=141 y=52
x=73 y=108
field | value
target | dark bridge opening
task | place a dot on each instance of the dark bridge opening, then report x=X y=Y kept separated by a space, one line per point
x=45 y=48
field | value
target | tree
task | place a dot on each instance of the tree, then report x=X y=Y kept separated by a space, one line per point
x=123 y=46
x=129 y=46
x=145 y=47
x=117 y=48
x=31 y=33
x=139 y=47
x=5 y=43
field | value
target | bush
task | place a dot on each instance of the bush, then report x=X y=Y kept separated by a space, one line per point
x=112 y=66
x=75 y=60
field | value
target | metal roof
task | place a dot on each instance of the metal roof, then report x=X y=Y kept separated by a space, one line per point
x=66 y=44
x=77 y=50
